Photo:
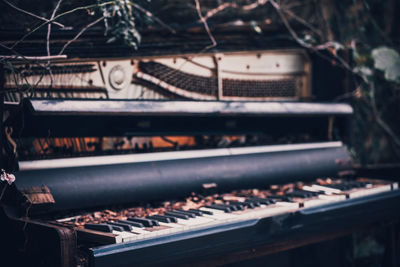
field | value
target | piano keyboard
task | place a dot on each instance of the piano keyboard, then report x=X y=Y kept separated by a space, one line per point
x=109 y=227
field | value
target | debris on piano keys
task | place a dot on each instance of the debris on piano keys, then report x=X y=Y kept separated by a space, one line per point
x=197 y=211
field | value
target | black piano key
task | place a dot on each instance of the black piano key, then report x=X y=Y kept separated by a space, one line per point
x=206 y=212
x=218 y=207
x=298 y=194
x=160 y=218
x=173 y=219
x=177 y=215
x=281 y=198
x=145 y=222
x=198 y=212
x=117 y=228
x=190 y=214
x=155 y=223
x=254 y=202
x=311 y=194
x=102 y=227
x=231 y=207
x=126 y=226
x=249 y=205
x=238 y=205
x=195 y=213
x=133 y=224
x=264 y=201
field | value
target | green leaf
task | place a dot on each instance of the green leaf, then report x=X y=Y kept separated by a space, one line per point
x=393 y=73
x=387 y=60
x=384 y=57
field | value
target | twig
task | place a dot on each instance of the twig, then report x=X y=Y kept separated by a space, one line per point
x=152 y=16
x=48 y=43
x=204 y=21
x=33 y=15
x=28 y=58
x=306 y=45
x=80 y=33
x=49 y=28
x=59 y=16
x=224 y=6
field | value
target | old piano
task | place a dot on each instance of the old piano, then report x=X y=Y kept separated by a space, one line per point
x=166 y=158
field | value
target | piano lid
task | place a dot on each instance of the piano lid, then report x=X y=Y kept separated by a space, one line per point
x=68 y=118
x=185 y=108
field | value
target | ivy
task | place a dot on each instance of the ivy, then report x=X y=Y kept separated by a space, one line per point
x=121 y=22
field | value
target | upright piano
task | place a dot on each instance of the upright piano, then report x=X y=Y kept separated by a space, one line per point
x=180 y=159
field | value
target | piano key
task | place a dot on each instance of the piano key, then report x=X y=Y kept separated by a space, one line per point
x=117 y=228
x=177 y=215
x=255 y=203
x=197 y=212
x=369 y=191
x=312 y=189
x=395 y=186
x=145 y=222
x=173 y=219
x=217 y=214
x=321 y=201
x=297 y=194
x=241 y=204
x=195 y=221
x=191 y=215
x=280 y=198
x=308 y=192
x=132 y=223
x=206 y=211
x=125 y=226
x=237 y=205
x=265 y=201
x=160 y=218
x=219 y=207
x=102 y=227
x=325 y=189
x=125 y=236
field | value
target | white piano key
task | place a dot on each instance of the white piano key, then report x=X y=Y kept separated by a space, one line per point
x=125 y=236
x=369 y=191
x=395 y=186
x=272 y=210
x=310 y=189
x=317 y=202
x=333 y=197
x=325 y=189
x=173 y=227
x=139 y=230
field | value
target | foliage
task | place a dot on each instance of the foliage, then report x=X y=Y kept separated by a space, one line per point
x=121 y=22
x=388 y=61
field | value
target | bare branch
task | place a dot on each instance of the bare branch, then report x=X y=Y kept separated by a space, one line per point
x=33 y=15
x=306 y=45
x=80 y=33
x=224 y=6
x=43 y=58
x=204 y=21
x=59 y=16
x=152 y=16
x=49 y=27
